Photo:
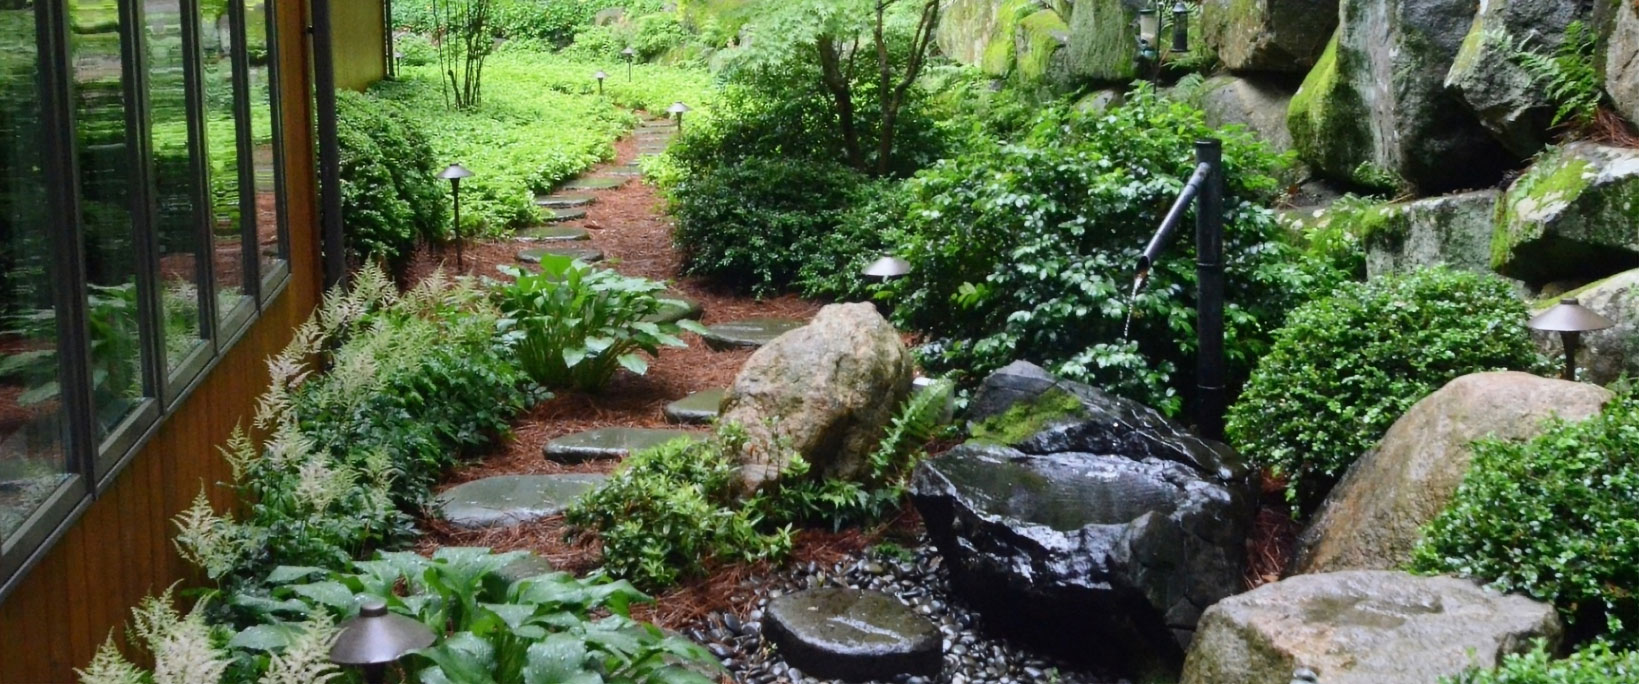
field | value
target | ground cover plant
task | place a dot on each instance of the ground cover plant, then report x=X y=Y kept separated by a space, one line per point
x=1553 y=518
x=1346 y=366
x=1597 y=664
x=391 y=197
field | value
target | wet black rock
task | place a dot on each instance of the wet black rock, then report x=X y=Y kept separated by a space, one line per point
x=1101 y=531
x=852 y=635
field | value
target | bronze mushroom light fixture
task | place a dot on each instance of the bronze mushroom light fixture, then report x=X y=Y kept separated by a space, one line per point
x=631 y=56
x=600 y=75
x=376 y=639
x=678 y=109
x=1570 y=319
x=887 y=268
x=454 y=173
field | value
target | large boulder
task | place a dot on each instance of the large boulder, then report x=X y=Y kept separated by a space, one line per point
x=966 y=28
x=1375 y=111
x=1364 y=627
x=1506 y=98
x=1103 y=49
x=1258 y=104
x=1451 y=230
x=1268 y=35
x=1622 y=60
x=1086 y=523
x=1603 y=356
x=825 y=391
x=1372 y=519
x=1571 y=216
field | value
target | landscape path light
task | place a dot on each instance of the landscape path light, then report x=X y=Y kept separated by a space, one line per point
x=454 y=173
x=376 y=639
x=631 y=56
x=1149 y=34
x=678 y=109
x=600 y=76
x=887 y=268
x=1570 y=319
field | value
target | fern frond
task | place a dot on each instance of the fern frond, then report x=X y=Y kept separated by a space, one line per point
x=918 y=419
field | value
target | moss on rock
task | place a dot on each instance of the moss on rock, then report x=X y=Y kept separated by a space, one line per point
x=1040 y=36
x=1571 y=216
x=1328 y=119
x=1025 y=419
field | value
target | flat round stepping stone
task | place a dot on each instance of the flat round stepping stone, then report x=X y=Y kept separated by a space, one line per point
x=597 y=183
x=554 y=234
x=561 y=215
x=700 y=408
x=749 y=333
x=510 y=500
x=609 y=443
x=852 y=635
x=624 y=171
x=564 y=201
x=589 y=255
x=524 y=568
x=674 y=308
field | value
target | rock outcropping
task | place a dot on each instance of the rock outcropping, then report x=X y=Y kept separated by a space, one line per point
x=1570 y=215
x=1268 y=35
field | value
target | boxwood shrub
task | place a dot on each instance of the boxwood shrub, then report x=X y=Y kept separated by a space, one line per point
x=391 y=196
x=1346 y=366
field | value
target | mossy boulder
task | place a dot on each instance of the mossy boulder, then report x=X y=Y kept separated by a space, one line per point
x=1259 y=104
x=1375 y=111
x=1452 y=230
x=967 y=28
x=1499 y=91
x=1573 y=216
x=1622 y=59
x=1268 y=35
x=1040 y=43
x=1102 y=47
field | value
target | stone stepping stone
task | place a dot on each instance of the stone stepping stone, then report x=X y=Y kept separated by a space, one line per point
x=564 y=201
x=749 y=333
x=554 y=234
x=590 y=255
x=853 y=635
x=700 y=408
x=597 y=183
x=510 y=500
x=609 y=443
x=561 y=215
x=624 y=171
x=674 y=308
x=524 y=568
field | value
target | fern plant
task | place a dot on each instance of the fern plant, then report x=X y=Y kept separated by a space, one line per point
x=1569 y=75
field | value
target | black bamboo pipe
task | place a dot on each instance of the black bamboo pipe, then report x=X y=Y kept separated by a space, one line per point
x=1206 y=189
x=324 y=100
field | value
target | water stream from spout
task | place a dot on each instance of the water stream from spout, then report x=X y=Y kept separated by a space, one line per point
x=1132 y=299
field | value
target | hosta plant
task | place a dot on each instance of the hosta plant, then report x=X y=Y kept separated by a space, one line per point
x=573 y=326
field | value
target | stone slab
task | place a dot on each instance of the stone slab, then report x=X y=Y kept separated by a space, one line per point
x=749 y=333
x=587 y=254
x=853 y=635
x=700 y=408
x=510 y=500
x=675 y=308
x=609 y=443
x=565 y=201
x=561 y=215
x=554 y=234
x=597 y=184
x=524 y=568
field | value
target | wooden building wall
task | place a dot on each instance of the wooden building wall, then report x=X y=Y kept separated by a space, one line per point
x=120 y=550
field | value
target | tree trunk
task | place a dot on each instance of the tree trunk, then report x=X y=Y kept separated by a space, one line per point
x=841 y=91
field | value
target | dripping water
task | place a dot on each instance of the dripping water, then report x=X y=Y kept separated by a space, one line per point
x=1132 y=300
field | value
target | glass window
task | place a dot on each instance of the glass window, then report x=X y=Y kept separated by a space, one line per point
x=267 y=156
x=33 y=462
x=175 y=185
x=222 y=148
x=106 y=195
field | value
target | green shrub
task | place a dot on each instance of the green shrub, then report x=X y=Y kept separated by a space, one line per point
x=1554 y=518
x=1028 y=250
x=655 y=35
x=391 y=196
x=573 y=326
x=755 y=224
x=1597 y=664
x=1345 y=367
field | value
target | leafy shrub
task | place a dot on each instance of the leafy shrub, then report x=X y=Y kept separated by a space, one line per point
x=574 y=325
x=673 y=511
x=1028 y=250
x=391 y=196
x=655 y=35
x=1554 y=518
x=1345 y=367
x=754 y=224
x=1597 y=664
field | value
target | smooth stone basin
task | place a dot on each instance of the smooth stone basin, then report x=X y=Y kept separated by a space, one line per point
x=749 y=333
x=699 y=408
x=853 y=635
x=587 y=254
x=554 y=234
x=597 y=183
x=610 y=443
x=674 y=308
x=561 y=215
x=513 y=499
x=565 y=201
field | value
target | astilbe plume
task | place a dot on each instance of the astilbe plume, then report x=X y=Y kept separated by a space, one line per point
x=109 y=666
x=306 y=660
x=210 y=541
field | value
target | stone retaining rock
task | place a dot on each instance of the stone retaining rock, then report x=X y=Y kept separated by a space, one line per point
x=1268 y=35
x=1506 y=98
x=1258 y=104
x=852 y=635
x=1363 y=627
x=1571 y=216
x=1622 y=60
x=1373 y=518
x=1452 y=230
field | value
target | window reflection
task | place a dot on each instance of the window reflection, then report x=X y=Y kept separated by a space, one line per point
x=222 y=146
x=176 y=225
x=105 y=209
x=32 y=458
x=259 y=45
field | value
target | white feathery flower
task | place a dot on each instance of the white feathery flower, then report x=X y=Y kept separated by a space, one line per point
x=110 y=667
x=187 y=655
x=307 y=659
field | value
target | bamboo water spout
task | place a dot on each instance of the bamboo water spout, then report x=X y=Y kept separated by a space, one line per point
x=1206 y=189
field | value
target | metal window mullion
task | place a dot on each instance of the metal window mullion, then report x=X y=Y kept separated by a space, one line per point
x=239 y=56
x=62 y=184
x=193 y=79
x=276 y=89
x=144 y=207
